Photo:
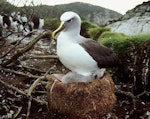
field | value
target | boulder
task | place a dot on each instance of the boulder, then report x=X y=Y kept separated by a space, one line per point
x=80 y=100
x=134 y=25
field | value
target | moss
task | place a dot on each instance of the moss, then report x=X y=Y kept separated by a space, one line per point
x=85 y=26
x=121 y=43
x=92 y=30
x=96 y=32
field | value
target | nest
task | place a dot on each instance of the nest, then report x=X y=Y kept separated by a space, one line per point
x=80 y=100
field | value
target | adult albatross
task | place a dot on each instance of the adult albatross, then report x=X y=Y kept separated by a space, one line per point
x=86 y=58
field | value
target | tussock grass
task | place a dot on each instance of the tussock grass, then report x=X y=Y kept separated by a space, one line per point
x=121 y=43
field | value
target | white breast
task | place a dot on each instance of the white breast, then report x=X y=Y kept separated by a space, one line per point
x=74 y=57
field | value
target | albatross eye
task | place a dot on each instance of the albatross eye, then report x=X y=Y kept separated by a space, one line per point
x=70 y=20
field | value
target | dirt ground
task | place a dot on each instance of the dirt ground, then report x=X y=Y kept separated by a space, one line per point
x=15 y=104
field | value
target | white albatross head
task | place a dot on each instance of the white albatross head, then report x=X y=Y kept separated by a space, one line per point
x=70 y=23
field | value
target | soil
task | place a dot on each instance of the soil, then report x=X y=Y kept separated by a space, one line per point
x=10 y=101
x=15 y=105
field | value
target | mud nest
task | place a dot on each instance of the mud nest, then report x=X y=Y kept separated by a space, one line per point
x=80 y=100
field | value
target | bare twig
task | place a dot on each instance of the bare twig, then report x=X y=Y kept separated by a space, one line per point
x=40 y=57
x=51 y=90
x=29 y=107
x=18 y=111
x=25 y=49
x=132 y=96
x=32 y=87
x=19 y=73
x=36 y=82
x=16 y=45
x=30 y=69
x=42 y=102
x=128 y=94
x=143 y=93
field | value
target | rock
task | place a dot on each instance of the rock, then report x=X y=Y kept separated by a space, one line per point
x=132 y=26
x=79 y=100
x=102 y=17
x=135 y=21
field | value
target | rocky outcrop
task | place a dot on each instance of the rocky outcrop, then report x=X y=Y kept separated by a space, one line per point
x=135 y=21
x=140 y=10
x=101 y=17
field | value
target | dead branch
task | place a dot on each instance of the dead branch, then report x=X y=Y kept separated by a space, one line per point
x=132 y=96
x=19 y=73
x=29 y=107
x=32 y=87
x=18 y=111
x=128 y=94
x=41 y=102
x=40 y=57
x=16 y=44
x=30 y=69
x=40 y=92
x=28 y=47
x=36 y=82
x=143 y=93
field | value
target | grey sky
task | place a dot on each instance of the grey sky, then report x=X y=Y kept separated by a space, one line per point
x=121 y=6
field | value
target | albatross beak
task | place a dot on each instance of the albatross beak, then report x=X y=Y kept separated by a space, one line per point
x=59 y=29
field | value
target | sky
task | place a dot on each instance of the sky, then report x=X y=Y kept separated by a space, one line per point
x=121 y=6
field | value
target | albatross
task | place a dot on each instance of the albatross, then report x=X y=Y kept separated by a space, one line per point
x=86 y=58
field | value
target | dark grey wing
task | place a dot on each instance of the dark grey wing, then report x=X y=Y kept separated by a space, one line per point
x=103 y=55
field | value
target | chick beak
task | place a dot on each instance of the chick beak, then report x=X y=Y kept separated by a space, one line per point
x=59 y=29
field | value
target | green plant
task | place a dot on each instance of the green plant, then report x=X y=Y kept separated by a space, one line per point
x=121 y=43
x=51 y=23
x=6 y=7
x=95 y=32
x=85 y=26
